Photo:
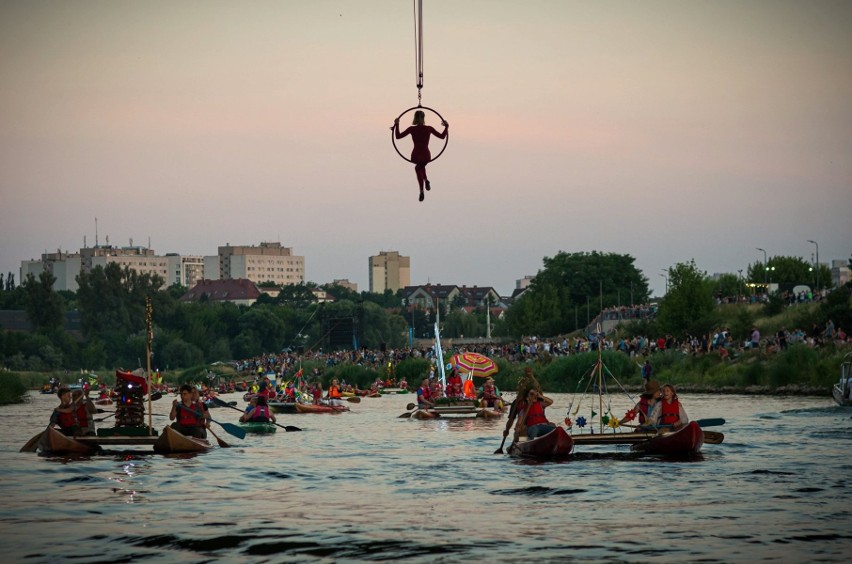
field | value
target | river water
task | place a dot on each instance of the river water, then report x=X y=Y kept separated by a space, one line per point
x=367 y=485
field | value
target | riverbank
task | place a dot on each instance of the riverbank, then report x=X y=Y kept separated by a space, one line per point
x=12 y=389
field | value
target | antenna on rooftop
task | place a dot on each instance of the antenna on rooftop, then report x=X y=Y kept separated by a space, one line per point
x=96 y=232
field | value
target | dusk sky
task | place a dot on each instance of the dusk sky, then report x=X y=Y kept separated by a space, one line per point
x=668 y=130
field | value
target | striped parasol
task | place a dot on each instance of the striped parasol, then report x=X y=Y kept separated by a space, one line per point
x=474 y=363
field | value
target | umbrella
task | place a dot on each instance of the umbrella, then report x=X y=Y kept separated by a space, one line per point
x=474 y=363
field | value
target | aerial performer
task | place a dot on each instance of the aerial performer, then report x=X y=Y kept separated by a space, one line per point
x=420 y=132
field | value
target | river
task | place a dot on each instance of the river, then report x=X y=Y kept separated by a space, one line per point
x=367 y=485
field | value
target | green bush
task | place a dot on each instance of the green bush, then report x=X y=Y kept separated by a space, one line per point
x=12 y=389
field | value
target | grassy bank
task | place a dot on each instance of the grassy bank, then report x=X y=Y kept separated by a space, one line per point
x=12 y=388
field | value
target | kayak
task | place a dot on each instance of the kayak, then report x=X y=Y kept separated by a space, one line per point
x=211 y=404
x=171 y=441
x=425 y=414
x=686 y=440
x=282 y=406
x=555 y=445
x=258 y=427
x=312 y=408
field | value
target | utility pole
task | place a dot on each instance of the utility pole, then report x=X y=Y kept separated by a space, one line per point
x=817 y=262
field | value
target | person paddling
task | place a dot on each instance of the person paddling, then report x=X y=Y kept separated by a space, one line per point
x=424 y=395
x=84 y=410
x=647 y=401
x=669 y=411
x=65 y=416
x=258 y=413
x=189 y=415
x=333 y=395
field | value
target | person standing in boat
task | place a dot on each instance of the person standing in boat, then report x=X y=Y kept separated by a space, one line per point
x=259 y=412
x=190 y=415
x=424 y=395
x=65 y=416
x=669 y=411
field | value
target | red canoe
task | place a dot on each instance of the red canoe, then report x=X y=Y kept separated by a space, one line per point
x=555 y=445
x=687 y=440
x=311 y=408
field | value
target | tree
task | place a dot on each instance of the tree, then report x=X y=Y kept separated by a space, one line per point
x=689 y=303
x=572 y=282
x=789 y=270
x=44 y=306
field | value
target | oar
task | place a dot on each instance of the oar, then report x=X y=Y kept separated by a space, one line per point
x=104 y=418
x=408 y=413
x=713 y=438
x=229 y=428
x=713 y=422
x=32 y=444
x=512 y=415
x=288 y=428
x=222 y=444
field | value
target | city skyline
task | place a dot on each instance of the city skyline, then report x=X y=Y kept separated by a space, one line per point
x=664 y=130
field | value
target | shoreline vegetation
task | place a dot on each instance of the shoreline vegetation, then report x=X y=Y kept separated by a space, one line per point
x=798 y=370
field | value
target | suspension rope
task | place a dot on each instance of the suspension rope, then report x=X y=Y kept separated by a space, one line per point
x=418 y=46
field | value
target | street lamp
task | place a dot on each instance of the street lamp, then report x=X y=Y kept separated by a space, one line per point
x=740 y=287
x=765 y=266
x=667 y=283
x=817 y=262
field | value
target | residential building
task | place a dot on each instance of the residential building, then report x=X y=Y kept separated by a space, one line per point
x=240 y=291
x=345 y=283
x=184 y=270
x=389 y=271
x=840 y=273
x=267 y=262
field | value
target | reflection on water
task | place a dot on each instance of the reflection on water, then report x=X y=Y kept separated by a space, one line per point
x=367 y=485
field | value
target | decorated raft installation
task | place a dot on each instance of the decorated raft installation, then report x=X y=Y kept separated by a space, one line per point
x=130 y=428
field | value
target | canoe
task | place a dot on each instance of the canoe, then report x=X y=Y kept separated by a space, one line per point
x=258 y=427
x=282 y=406
x=54 y=442
x=686 y=440
x=842 y=390
x=311 y=408
x=170 y=441
x=425 y=414
x=555 y=445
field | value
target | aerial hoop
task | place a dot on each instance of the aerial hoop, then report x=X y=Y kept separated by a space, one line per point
x=440 y=117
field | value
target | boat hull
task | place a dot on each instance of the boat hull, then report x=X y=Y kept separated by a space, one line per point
x=837 y=394
x=311 y=408
x=425 y=414
x=488 y=413
x=54 y=442
x=282 y=406
x=687 y=440
x=553 y=446
x=258 y=428
x=170 y=441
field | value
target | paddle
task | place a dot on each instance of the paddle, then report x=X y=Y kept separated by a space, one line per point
x=288 y=428
x=229 y=428
x=353 y=399
x=222 y=444
x=713 y=422
x=512 y=414
x=409 y=413
x=32 y=444
x=713 y=438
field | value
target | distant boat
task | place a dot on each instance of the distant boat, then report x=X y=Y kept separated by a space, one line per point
x=842 y=391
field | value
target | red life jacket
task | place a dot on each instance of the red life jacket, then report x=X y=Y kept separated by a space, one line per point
x=186 y=415
x=426 y=393
x=260 y=412
x=670 y=413
x=488 y=392
x=82 y=416
x=535 y=414
x=644 y=410
x=66 y=420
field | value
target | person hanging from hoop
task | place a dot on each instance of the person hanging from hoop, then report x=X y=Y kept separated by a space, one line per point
x=420 y=155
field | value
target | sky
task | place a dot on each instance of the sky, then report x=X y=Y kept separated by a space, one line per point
x=667 y=130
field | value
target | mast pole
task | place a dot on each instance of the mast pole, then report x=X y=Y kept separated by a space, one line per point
x=150 y=338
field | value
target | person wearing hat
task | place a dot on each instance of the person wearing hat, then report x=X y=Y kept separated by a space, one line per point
x=649 y=398
x=669 y=411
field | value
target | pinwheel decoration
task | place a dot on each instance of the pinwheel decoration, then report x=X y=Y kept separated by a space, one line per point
x=581 y=422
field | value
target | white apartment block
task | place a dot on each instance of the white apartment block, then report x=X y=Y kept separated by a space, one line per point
x=268 y=262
